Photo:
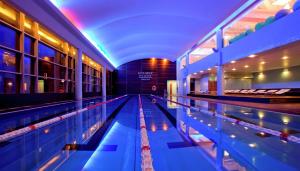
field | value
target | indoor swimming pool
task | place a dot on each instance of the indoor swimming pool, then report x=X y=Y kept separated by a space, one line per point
x=182 y=134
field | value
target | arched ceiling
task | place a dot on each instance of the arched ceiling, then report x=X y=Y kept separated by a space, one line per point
x=127 y=30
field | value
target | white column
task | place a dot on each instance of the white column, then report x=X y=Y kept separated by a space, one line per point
x=186 y=75
x=78 y=76
x=179 y=73
x=103 y=82
x=188 y=85
x=220 y=70
x=103 y=107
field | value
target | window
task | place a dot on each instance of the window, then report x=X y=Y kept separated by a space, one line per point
x=8 y=83
x=49 y=54
x=261 y=15
x=60 y=59
x=28 y=45
x=45 y=85
x=46 y=69
x=8 y=61
x=203 y=50
x=28 y=84
x=60 y=72
x=46 y=52
x=71 y=75
x=56 y=71
x=28 y=65
x=60 y=86
x=71 y=63
x=8 y=37
x=71 y=87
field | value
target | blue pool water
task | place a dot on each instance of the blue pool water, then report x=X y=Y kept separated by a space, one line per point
x=108 y=137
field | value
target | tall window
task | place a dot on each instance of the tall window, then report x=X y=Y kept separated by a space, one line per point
x=91 y=76
x=9 y=61
x=52 y=70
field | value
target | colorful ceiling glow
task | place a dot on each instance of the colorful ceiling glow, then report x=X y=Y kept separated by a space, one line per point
x=124 y=31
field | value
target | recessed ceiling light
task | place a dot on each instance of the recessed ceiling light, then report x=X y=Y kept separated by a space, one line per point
x=252 y=56
x=233 y=69
x=233 y=62
x=246 y=66
x=285 y=57
x=201 y=71
x=209 y=69
x=263 y=62
x=195 y=73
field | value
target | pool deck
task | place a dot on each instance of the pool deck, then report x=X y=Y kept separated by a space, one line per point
x=290 y=108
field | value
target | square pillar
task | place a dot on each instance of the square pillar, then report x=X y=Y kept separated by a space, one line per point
x=220 y=69
x=78 y=76
x=104 y=82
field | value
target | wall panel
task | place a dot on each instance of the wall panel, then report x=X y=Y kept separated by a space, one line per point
x=141 y=75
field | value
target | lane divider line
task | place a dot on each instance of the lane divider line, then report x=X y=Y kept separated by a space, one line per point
x=22 y=131
x=282 y=135
x=147 y=161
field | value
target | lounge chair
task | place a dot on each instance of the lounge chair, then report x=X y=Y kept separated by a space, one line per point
x=262 y=91
x=271 y=91
x=244 y=91
x=282 y=91
x=251 y=91
x=227 y=91
x=236 y=91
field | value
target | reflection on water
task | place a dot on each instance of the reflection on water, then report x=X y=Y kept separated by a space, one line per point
x=51 y=146
x=235 y=147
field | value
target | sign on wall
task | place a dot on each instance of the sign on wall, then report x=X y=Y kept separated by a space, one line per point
x=145 y=76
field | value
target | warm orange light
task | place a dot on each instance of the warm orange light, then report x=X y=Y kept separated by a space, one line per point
x=48 y=37
x=46 y=58
x=49 y=163
x=25 y=86
x=7 y=12
x=165 y=127
x=153 y=128
x=27 y=25
x=46 y=131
